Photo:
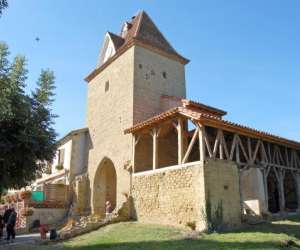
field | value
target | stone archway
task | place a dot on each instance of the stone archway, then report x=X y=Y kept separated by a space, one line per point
x=105 y=187
x=273 y=193
x=290 y=191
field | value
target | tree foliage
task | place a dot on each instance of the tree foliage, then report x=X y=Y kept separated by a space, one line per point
x=3 y=5
x=27 y=136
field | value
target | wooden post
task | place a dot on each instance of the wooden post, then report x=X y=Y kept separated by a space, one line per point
x=179 y=128
x=297 y=181
x=280 y=178
x=266 y=172
x=155 y=148
x=201 y=142
x=135 y=140
x=180 y=140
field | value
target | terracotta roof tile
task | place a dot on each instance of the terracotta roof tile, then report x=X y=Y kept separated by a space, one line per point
x=143 y=32
x=117 y=40
x=211 y=120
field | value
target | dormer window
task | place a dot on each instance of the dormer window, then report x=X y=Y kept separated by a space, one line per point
x=125 y=28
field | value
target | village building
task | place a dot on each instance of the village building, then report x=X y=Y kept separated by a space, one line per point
x=70 y=160
x=173 y=156
x=178 y=161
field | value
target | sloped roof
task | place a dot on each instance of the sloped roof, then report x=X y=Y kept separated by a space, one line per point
x=210 y=120
x=68 y=136
x=117 y=40
x=143 y=29
x=196 y=105
x=142 y=32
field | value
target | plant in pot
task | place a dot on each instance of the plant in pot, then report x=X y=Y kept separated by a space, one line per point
x=25 y=195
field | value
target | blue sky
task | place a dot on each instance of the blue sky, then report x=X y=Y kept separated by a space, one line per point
x=245 y=55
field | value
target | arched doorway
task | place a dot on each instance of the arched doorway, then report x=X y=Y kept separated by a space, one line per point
x=273 y=193
x=105 y=186
x=290 y=191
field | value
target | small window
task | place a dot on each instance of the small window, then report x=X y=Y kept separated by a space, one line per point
x=164 y=74
x=140 y=66
x=106 y=86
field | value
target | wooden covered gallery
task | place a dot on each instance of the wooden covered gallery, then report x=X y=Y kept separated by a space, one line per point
x=269 y=166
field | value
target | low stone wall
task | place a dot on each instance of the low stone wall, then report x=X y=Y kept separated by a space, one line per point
x=49 y=216
x=222 y=188
x=253 y=191
x=172 y=196
x=180 y=195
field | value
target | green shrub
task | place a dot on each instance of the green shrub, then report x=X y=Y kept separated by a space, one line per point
x=213 y=216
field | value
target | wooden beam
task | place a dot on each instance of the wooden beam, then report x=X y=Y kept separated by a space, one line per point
x=134 y=143
x=217 y=142
x=233 y=146
x=155 y=132
x=253 y=157
x=201 y=142
x=180 y=140
x=243 y=149
x=224 y=144
x=188 y=152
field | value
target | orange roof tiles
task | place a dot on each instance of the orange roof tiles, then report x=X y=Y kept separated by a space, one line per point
x=142 y=32
x=211 y=120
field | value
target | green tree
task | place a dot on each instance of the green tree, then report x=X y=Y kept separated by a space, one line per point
x=3 y=5
x=27 y=136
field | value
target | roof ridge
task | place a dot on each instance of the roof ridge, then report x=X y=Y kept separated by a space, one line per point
x=140 y=15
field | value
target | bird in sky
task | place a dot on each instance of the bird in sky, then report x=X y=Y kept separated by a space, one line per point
x=37 y=39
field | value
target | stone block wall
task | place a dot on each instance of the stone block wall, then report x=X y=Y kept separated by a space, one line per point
x=179 y=195
x=48 y=216
x=109 y=113
x=154 y=76
x=253 y=191
x=222 y=186
x=171 y=196
x=82 y=193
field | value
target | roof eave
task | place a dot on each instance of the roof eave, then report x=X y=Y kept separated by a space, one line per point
x=128 y=45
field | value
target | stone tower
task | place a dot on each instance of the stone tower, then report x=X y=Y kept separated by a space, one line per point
x=133 y=71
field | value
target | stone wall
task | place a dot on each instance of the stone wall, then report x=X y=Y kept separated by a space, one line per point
x=150 y=83
x=172 y=196
x=222 y=187
x=180 y=194
x=253 y=191
x=109 y=113
x=136 y=83
x=82 y=193
x=48 y=216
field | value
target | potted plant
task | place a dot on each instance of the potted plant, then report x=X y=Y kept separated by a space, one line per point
x=25 y=195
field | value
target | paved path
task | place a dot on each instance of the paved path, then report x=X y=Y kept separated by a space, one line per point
x=22 y=239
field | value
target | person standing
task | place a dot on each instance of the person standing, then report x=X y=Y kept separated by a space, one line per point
x=1 y=226
x=7 y=214
x=10 y=226
x=108 y=210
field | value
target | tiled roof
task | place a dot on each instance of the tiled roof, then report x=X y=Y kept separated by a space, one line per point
x=197 y=105
x=142 y=32
x=211 y=120
x=117 y=40
x=144 y=29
